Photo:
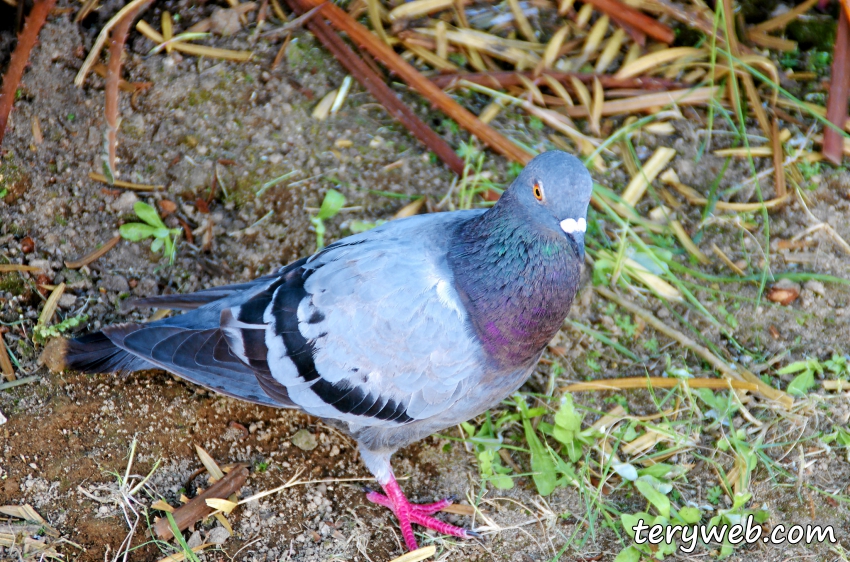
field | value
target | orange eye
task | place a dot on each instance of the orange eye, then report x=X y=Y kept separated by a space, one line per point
x=538 y=191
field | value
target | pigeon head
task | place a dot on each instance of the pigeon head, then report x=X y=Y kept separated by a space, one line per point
x=518 y=265
x=554 y=190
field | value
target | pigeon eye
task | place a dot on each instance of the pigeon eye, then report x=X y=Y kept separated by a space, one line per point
x=538 y=191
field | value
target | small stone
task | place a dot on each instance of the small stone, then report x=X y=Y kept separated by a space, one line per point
x=225 y=22
x=219 y=535
x=167 y=207
x=195 y=540
x=146 y=287
x=27 y=245
x=67 y=301
x=815 y=287
x=783 y=292
x=125 y=202
x=117 y=283
x=43 y=265
x=304 y=440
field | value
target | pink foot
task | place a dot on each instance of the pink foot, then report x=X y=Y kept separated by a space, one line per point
x=408 y=513
x=423 y=508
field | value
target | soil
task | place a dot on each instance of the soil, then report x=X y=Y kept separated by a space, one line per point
x=213 y=133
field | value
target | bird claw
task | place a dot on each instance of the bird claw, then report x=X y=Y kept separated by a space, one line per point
x=421 y=508
x=420 y=514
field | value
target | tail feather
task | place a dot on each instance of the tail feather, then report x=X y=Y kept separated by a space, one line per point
x=190 y=345
x=194 y=355
x=95 y=353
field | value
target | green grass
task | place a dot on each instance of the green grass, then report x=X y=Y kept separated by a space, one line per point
x=734 y=444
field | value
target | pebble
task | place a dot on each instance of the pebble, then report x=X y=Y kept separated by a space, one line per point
x=196 y=540
x=218 y=535
x=117 y=283
x=225 y=22
x=43 y=265
x=125 y=202
x=67 y=301
x=815 y=287
x=147 y=287
x=304 y=440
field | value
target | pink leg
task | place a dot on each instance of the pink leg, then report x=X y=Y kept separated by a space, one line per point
x=402 y=512
x=408 y=513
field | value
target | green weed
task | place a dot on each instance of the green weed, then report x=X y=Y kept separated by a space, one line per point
x=41 y=334
x=164 y=238
x=331 y=205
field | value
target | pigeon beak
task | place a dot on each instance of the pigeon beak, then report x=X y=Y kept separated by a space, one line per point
x=571 y=226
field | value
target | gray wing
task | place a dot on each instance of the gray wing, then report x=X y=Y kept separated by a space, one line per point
x=369 y=331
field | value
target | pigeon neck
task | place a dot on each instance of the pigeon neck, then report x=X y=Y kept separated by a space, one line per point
x=516 y=280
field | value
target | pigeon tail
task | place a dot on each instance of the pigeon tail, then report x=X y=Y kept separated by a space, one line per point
x=96 y=353
x=198 y=356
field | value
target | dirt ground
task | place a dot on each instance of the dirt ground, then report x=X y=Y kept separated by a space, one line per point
x=68 y=436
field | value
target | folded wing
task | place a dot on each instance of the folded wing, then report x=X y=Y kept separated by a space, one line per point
x=369 y=331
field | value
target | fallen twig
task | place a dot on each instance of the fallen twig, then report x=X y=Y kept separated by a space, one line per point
x=694 y=20
x=729 y=263
x=145 y=29
x=688 y=242
x=659 y=382
x=362 y=36
x=837 y=386
x=695 y=198
x=289 y=26
x=5 y=362
x=633 y=17
x=9 y=267
x=839 y=88
x=197 y=508
x=51 y=305
x=515 y=78
x=649 y=102
x=123 y=85
x=782 y=20
x=125 y=184
x=113 y=79
x=101 y=40
x=417 y=555
x=378 y=88
x=87 y=8
x=92 y=256
x=20 y=57
x=778 y=159
x=19 y=382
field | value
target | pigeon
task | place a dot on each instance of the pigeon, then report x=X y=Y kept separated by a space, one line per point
x=390 y=335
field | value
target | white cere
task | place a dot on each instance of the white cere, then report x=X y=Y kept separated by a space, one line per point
x=571 y=225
